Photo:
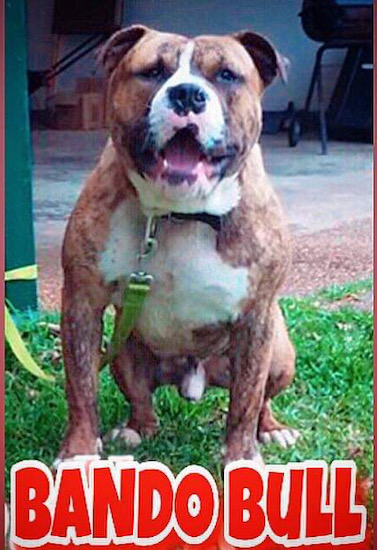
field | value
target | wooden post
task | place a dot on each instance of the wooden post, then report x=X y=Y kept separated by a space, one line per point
x=19 y=231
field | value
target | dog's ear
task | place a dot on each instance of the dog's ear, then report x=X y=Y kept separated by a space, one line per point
x=266 y=58
x=118 y=45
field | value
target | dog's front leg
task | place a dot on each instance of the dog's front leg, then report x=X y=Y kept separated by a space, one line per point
x=250 y=363
x=81 y=338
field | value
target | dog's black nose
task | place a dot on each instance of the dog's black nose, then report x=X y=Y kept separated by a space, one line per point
x=187 y=97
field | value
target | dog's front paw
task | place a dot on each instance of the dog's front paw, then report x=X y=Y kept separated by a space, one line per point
x=236 y=451
x=130 y=437
x=131 y=433
x=283 y=436
x=255 y=460
x=78 y=449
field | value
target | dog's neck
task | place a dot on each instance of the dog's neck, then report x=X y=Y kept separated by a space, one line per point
x=223 y=198
x=212 y=209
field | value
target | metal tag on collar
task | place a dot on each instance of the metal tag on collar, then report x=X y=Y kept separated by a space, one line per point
x=149 y=244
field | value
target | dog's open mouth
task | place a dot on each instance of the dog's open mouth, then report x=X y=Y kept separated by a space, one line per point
x=183 y=159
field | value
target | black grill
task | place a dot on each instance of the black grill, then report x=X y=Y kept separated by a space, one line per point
x=325 y=20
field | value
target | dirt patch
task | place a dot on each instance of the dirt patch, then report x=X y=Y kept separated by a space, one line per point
x=333 y=256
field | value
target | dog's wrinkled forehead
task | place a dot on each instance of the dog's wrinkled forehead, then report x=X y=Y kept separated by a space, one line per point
x=247 y=53
x=166 y=48
x=201 y=56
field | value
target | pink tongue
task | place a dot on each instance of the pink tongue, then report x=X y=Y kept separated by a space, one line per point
x=182 y=154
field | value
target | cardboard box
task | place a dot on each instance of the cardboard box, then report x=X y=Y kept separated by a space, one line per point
x=92 y=111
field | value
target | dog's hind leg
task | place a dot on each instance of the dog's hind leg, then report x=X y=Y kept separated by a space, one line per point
x=280 y=376
x=134 y=371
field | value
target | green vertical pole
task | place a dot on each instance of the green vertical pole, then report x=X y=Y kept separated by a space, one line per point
x=19 y=231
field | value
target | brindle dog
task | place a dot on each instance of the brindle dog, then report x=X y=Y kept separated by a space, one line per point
x=186 y=120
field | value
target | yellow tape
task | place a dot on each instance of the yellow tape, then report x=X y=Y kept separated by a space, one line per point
x=27 y=273
x=12 y=333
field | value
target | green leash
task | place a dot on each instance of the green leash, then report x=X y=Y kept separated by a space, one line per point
x=134 y=295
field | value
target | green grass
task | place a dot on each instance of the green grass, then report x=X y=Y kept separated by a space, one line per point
x=337 y=292
x=330 y=401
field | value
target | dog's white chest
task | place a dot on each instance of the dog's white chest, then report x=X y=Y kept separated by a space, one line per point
x=192 y=287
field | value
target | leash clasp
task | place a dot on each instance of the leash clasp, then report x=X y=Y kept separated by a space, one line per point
x=149 y=244
x=140 y=278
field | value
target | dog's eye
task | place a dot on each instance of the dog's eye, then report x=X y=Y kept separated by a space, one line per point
x=227 y=76
x=154 y=73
